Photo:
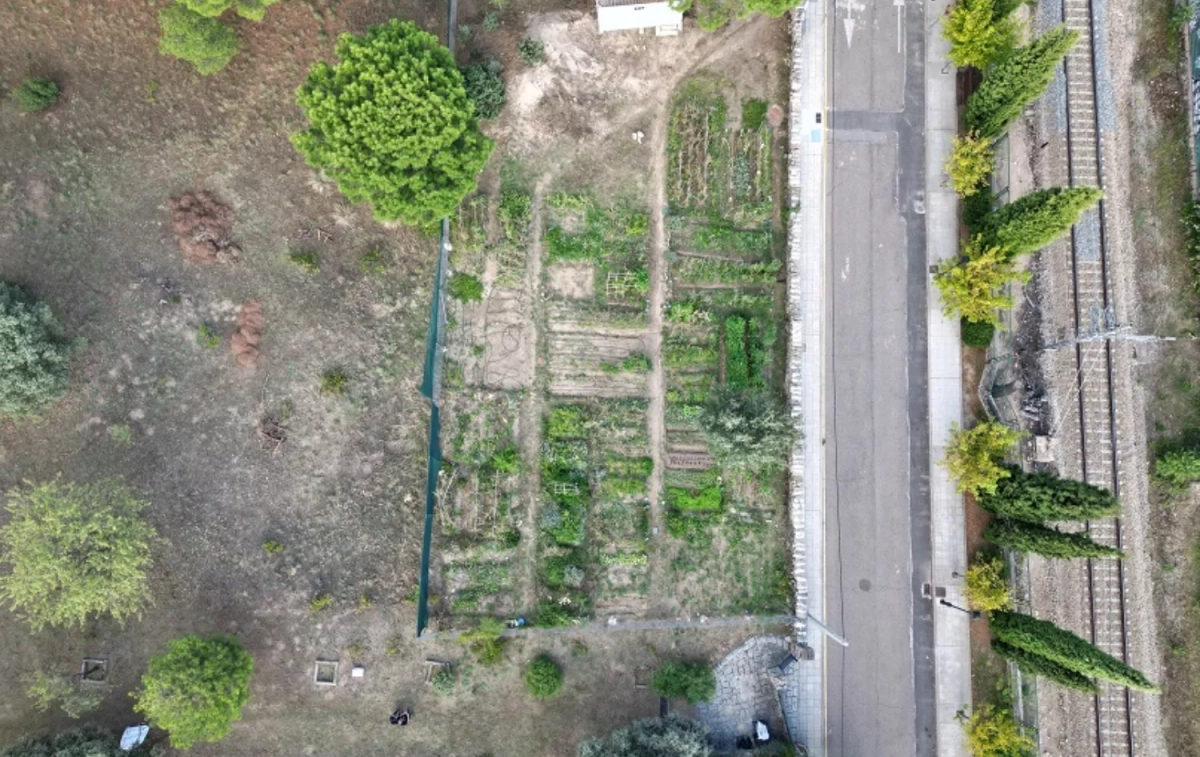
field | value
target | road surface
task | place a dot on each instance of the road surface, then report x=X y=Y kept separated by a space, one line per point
x=880 y=690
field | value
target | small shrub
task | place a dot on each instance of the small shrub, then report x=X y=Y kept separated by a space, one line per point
x=693 y=681
x=975 y=457
x=532 y=51
x=334 y=383
x=272 y=547
x=995 y=733
x=204 y=42
x=443 y=682
x=46 y=690
x=1178 y=469
x=977 y=34
x=485 y=642
x=464 y=33
x=320 y=602
x=35 y=93
x=485 y=87
x=373 y=262
x=206 y=337
x=491 y=21
x=307 y=260
x=636 y=364
x=754 y=114
x=465 y=288
x=122 y=434
x=543 y=677
x=970 y=164
x=977 y=334
x=506 y=460
x=33 y=356
x=987 y=589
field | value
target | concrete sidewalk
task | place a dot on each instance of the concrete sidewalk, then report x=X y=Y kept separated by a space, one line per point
x=806 y=358
x=951 y=627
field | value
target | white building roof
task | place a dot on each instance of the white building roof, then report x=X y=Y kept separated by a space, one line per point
x=622 y=15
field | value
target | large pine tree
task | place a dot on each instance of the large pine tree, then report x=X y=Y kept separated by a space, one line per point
x=1036 y=665
x=1047 y=640
x=1040 y=497
x=1048 y=542
x=1038 y=218
x=1015 y=82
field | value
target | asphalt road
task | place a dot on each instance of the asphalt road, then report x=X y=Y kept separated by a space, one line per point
x=881 y=688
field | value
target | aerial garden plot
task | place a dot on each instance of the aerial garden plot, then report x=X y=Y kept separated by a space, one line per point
x=724 y=494
x=547 y=511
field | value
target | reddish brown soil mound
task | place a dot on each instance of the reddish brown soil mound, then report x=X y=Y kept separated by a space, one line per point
x=203 y=226
x=247 y=334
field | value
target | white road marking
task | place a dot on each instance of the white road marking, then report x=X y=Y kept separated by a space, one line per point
x=846 y=268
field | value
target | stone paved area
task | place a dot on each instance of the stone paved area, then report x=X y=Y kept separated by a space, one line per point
x=745 y=693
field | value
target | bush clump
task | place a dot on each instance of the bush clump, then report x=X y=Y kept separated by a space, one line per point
x=970 y=164
x=464 y=287
x=36 y=93
x=975 y=285
x=1040 y=497
x=33 y=355
x=671 y=736
x=976 y=333
x=409 y=144
x=196 y=689
x=74 y=552
x=1178 y=469
x=986 y=587
x=84 y=742
x=978 y=34
x=485 y=87
x=747 y=430
x=693 y=681
x=543 y=678
x=251 y=9
x=532 y=51
x=993 y=732
x=202 y=41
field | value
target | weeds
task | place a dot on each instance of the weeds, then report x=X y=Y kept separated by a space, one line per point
x=373 y=262
x=206 y=338
x=334 y=383
x=320 y=602
x=122 y=435
x=272 y=547
x=306 y=260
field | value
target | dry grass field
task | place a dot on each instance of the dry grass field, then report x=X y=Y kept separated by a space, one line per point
x=234 y=457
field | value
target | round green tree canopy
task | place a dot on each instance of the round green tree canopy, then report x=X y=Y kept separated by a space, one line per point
x=392 y=124
x=33 y=357
x=196 y=689
x=75 y=551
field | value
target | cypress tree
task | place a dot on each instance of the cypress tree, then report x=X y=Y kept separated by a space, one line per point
x=1039 y=497
x=1015 y=82
x=1038 y=218
x=1036 y=665
x=1047 y=640
x=1040 y=540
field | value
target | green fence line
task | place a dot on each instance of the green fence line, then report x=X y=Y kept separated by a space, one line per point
x=430 y=388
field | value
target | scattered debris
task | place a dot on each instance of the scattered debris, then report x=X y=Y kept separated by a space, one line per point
x=271 y=433
x=203 y=226
x=246 y=336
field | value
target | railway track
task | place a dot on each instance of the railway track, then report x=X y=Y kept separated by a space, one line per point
x=1100 y=451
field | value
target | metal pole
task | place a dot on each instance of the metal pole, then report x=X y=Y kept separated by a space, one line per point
x=825 y=630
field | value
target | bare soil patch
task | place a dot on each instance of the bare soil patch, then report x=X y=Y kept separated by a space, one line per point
x=574 y=281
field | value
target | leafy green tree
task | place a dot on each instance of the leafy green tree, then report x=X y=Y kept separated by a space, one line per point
x=33 y=354
x=972 y=286
x=975 y=457
x=46 y=689
x=392 y=124
x=987 y=588
x=671 y=736
x=1038 y=218
x=75 y=551
x=84 y=742
x=196 y=689
x=1040 y=497
x=543 y=678
x=747 y=430
x=251 y=9
x=977 y=35
x=993 y=732
x=1036 y=665
x=693 y=681
x=1015 y=82
x=1048 y=542
x=36 y=93
x=1178 y=469
x=970 y=164
x=485 y=87
x=1065 y=648
x=202 y=41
